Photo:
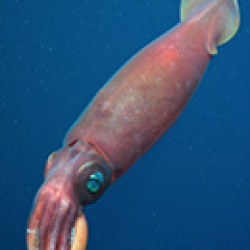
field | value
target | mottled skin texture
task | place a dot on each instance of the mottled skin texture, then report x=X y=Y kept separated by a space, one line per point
x=143 y=99
x=58 y=202
x=124 y=120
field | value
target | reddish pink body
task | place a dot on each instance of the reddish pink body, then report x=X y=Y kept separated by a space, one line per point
x=143 y=99
x=125 y=119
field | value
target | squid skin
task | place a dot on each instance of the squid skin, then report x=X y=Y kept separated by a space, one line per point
x=57 y=207
x=146 y=95
x=124 y=120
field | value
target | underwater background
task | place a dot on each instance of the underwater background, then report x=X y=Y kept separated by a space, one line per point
x=190 y=191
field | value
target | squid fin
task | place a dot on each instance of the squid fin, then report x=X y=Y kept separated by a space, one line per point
x=223 y=19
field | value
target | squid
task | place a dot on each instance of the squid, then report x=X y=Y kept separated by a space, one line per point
x=126 y=117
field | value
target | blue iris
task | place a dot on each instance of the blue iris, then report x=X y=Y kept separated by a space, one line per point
x=95 y=181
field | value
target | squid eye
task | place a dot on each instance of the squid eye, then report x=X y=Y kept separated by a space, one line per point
x=95 y=181
x=92 y=179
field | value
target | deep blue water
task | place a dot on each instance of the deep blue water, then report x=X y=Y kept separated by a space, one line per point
x=191 y=191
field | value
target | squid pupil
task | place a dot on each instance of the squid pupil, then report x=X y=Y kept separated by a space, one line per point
x=95 y=181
